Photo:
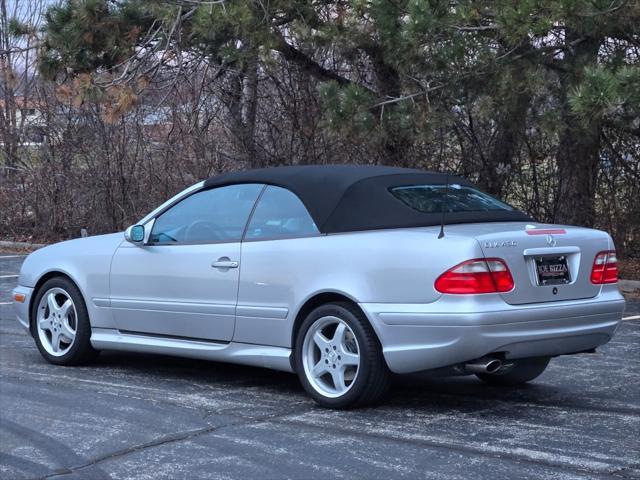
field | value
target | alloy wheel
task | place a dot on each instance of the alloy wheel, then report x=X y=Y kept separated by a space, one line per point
x=331 y=356
x=57 y=321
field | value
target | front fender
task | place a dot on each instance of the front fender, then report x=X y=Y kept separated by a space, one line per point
x=86 y=261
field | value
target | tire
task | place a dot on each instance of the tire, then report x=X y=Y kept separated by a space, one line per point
x=347 y=337
x=62 y=332
x=523 y=371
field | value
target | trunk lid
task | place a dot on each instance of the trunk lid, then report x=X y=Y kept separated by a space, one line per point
x=538 y=256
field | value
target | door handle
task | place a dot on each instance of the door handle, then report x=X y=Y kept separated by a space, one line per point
x=224 y=262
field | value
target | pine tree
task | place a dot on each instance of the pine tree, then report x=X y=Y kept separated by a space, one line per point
x=392 y=72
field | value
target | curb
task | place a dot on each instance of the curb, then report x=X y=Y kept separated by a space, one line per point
x=629 y=286
x=21 y=245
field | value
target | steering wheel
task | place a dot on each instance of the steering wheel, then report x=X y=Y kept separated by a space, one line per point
x=203 y=230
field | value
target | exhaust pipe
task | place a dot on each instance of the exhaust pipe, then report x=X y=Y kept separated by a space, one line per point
x=483 y=365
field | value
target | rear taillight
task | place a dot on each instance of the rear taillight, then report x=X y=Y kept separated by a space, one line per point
x=480 y=275
x=605 y=268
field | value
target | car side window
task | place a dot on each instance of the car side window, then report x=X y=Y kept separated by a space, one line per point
x=280 y=214
x=217 y=215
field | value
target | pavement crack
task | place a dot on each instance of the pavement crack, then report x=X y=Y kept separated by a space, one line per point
x=538 y=403
x=168 y=439
x=632 y=469
x=476 y=450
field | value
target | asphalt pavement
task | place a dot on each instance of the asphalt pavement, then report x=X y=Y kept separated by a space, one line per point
x=153 y=417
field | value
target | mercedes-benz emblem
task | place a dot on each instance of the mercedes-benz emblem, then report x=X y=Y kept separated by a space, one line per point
x=551 y=241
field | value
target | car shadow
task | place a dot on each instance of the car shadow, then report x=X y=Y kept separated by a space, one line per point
x=415 y=391
x=186 y=369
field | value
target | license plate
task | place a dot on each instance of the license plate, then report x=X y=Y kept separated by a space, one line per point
x=552 y=270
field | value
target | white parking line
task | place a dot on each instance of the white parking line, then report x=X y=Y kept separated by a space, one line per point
x=9 y=276
x=11 y=256
x=6 y=303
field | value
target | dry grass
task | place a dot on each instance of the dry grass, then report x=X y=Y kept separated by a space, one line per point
x=629 y=268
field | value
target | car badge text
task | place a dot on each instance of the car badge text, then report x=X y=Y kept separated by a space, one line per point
x=496 y=244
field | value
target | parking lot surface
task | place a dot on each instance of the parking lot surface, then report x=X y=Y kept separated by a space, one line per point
x=152 y=417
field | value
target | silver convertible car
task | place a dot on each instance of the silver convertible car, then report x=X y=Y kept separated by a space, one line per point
x=342 y=274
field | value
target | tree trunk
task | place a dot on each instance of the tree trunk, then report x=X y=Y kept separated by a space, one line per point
x=243 y=104
x=8 y=114
x=395 y=141
x=579 y=147
x=510 y=128
x=249 y=109
x=578 y=160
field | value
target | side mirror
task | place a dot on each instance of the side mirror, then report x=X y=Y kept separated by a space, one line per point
x=134 y=234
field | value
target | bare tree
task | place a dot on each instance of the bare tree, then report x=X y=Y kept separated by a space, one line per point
x=18 y=44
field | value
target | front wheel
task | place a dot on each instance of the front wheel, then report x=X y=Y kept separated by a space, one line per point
x=339 y=358
x=60 y=323
x=517 y=372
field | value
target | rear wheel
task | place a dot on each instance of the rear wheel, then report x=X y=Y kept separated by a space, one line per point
x=339 y=358
x=60 y=323
x=517 y=372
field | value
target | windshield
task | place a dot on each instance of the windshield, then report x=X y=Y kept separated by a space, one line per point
x=459 y=198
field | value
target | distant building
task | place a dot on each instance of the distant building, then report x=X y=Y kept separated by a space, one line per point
x=30 y=122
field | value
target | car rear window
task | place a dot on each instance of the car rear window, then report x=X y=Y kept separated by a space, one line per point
x=458 y=198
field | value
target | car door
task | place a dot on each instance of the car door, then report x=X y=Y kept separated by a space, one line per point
x=183 y=282
x=280 y=236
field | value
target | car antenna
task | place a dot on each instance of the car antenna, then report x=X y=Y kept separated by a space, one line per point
x=444 y=205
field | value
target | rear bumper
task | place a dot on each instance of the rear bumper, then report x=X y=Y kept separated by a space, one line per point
x=454 y=329
x=22 y=308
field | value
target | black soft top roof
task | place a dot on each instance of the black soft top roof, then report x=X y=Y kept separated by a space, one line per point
x=347 y=198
